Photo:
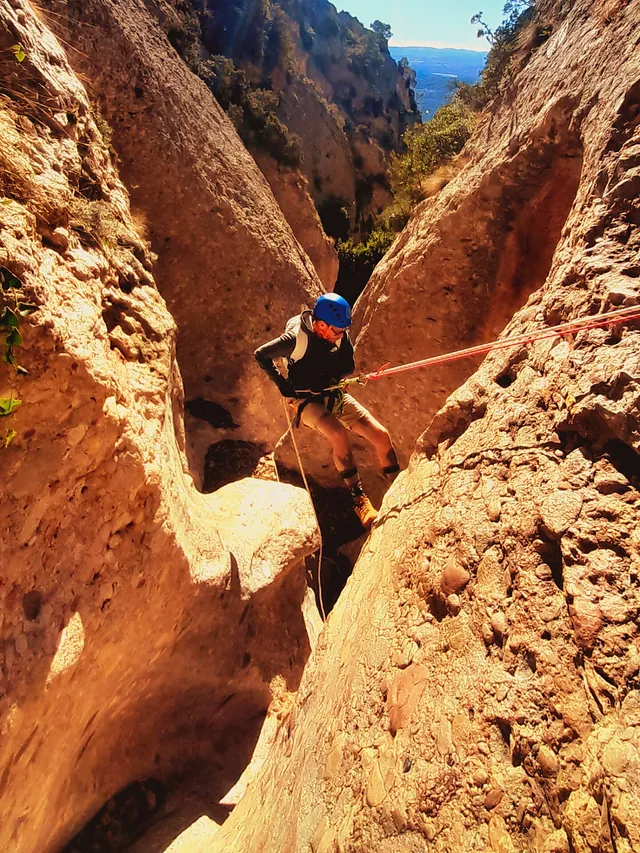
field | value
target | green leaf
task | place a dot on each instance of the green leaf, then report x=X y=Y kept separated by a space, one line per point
x=5 y=202
x=8 y=280
x=13 y=339
x=9 y=318
x=18 y=52
x=9 y=358
x=11 y=434
x=8 y=405
x=26 y=308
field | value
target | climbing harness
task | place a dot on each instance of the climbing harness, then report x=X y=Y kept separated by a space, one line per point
x=332 y=399
x=583 y=324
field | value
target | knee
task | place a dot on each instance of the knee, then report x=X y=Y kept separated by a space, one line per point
x=340 y=442
x=336 y=434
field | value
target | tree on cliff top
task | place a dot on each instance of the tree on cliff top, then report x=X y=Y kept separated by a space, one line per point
x=519 y=17
x=382 y=31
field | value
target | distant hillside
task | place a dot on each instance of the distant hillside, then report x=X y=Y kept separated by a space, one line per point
x=436 y=68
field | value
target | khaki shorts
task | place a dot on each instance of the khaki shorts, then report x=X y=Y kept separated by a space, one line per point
x=349 y=413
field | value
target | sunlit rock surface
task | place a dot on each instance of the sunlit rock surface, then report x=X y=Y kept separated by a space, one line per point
x=143 y=624
x=476 y=687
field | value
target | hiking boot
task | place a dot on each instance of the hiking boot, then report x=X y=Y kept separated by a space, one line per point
x=365 y=510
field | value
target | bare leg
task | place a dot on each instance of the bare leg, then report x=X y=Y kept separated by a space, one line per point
x=378 y=436
x=338 y=436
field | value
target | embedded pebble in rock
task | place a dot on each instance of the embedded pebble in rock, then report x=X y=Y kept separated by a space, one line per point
x=494 y=510
x=493 y=798
x=444 y=741
x=480 y=777
x=559 y=511
x=610 y=481
x=453 y=603
x=407 y=654
x=617 y=756
x=487 y=633
x=400 y=817
x=499 y=623
x=59 y=237
x=499 y=837
x=502 y=692
x=454 y=578
x=557 y=842
x=548 y=761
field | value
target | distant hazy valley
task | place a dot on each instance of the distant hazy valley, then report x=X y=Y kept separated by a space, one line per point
x=436 y=69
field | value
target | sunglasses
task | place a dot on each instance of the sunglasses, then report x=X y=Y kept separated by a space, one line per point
x=337 y=331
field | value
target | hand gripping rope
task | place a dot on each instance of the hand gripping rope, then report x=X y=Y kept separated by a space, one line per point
x=583 y=324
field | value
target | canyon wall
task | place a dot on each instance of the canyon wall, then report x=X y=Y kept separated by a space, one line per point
x=144 y=627
x=228 y=264
x=476 y=686
x=339 y=93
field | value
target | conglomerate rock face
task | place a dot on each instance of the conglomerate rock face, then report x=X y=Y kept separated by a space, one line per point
x=477 y=685
x=142 y=624
x=472 y=255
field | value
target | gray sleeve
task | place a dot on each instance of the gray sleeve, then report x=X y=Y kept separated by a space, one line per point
x=281 y=347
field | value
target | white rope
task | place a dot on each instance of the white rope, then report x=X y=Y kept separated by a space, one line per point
x=291 y=430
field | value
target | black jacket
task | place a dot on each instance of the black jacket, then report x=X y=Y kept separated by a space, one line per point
x=322 y=364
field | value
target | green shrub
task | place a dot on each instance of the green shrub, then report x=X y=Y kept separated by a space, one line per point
x=279 y=45
x=12 y=312
x=428 y=146
x=357 y=261
x=383 y=33
x=503 y=41
x=228 y=83
x=364 y=55
x=265 y=38
x=262 y=123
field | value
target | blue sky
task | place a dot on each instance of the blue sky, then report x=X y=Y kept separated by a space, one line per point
x=428 y=22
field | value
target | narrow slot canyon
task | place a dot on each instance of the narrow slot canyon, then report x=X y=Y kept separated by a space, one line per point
x=536 y=196
x=167 y=683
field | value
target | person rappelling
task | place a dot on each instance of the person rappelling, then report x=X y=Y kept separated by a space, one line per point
x=318 y=353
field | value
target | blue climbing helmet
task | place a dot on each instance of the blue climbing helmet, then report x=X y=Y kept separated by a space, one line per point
x=333 y=309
